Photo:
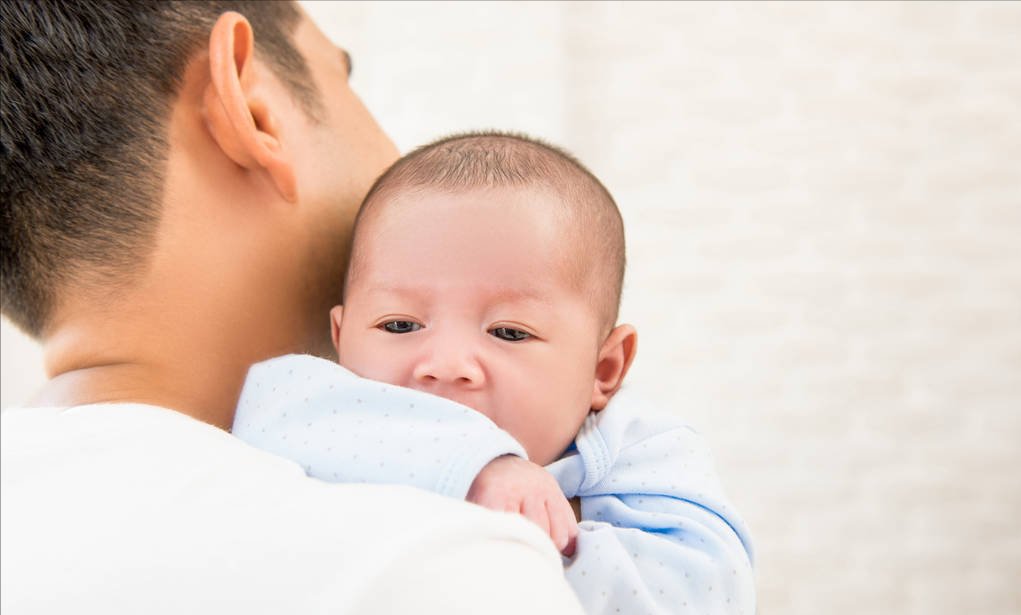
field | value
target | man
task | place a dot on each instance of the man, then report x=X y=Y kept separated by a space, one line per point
x=178 y=186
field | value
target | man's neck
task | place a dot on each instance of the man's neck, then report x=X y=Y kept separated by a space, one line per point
x=200 y=386
x=211 y=301
x=189 y=356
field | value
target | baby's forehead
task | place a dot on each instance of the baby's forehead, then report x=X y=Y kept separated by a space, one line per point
x=505 y=214
x=580 y=214
x=560 y=236
x=537 y=206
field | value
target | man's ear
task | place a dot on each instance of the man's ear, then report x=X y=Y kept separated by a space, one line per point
x=614 y=359
x=336 y=315
x=237 y=105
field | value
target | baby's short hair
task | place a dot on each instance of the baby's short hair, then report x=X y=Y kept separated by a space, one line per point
x=484 y=160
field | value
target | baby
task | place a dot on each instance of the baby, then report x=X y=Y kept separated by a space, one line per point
x=486 y=269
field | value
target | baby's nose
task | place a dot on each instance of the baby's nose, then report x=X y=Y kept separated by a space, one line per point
x=450 y=366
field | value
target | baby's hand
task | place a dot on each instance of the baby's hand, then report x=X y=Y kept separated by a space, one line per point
x=517 y=485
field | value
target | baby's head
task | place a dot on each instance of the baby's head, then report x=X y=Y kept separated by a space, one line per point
x=487 y=268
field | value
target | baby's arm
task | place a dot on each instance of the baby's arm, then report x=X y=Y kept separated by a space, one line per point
x=657 y=533
x=343 y=428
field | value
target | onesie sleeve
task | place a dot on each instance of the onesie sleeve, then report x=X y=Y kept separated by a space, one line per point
x=657 y=533
x=343 y=428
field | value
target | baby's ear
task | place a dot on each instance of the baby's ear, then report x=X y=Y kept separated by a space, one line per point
x=336 y=315
x=615 y=357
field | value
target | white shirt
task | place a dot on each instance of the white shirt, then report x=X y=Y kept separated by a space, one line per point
x=126 y=508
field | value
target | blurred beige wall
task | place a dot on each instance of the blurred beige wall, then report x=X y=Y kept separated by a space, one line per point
x=823 y=209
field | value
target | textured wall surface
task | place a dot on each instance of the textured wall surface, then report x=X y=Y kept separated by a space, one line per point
x=823 y=207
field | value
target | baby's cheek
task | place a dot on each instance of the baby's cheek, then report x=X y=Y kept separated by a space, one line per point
x=374 y=369
x=558 y=430
x=362 y=359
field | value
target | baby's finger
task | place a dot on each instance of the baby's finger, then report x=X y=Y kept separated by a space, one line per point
x=557 y=530
x=560 y=523
x=535 y=510
x=572 y=533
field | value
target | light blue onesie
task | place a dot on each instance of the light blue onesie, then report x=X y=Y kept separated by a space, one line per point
x=657 y=534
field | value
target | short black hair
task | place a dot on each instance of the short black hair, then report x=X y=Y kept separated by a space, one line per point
x=87 y=87
x=494 y=159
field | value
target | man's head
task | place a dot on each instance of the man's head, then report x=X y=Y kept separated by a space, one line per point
x=487 y=269
x=88 y=87
x=91 y=92
x=178 y=185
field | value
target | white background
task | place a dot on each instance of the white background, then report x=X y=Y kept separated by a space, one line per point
x=823 y=209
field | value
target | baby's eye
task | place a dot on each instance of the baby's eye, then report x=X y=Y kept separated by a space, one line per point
x=401 y=326
x=508 y=334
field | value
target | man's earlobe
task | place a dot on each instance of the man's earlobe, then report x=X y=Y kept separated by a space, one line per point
x=612 y=364
x=238 y=107
x=336 y=316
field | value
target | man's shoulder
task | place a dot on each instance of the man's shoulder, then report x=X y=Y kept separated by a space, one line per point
x=163 y=502
x=139 y=452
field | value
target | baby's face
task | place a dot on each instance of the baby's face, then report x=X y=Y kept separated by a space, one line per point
x=467 y=296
